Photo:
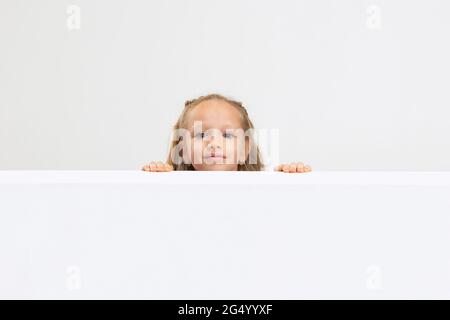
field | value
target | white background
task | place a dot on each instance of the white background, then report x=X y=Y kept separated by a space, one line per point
x=351 y=85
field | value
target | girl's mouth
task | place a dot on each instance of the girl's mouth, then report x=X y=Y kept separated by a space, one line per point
x=215 y=157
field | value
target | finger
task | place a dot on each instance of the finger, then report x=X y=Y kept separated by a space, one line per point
x=308 y=169
x=293 y=167
x=153 y=166
x=160 y=166
x=146 y=168
x=168 y=167
x=285 y=168
x=278 y=167
x=300 y=167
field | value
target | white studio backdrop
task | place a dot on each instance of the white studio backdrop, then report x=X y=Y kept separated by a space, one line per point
x=350 y=85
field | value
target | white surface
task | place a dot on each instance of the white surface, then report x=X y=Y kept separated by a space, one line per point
x=411 y=178
x=250 y=235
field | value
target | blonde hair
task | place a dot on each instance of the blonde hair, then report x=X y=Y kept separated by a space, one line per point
x=246 y=123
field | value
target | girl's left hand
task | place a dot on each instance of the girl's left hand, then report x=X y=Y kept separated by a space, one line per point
x=294 y=167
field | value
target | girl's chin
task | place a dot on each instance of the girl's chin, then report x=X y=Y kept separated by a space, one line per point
x=216 y=167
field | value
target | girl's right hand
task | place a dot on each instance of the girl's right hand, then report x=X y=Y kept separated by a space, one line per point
x=157 y=167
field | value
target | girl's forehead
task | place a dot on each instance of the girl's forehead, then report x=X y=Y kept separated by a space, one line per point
x=215 y=114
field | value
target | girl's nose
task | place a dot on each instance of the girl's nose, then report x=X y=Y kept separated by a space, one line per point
x=214 y=143
x=214 y=146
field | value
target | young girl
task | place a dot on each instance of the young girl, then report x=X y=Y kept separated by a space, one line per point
x=214 y=133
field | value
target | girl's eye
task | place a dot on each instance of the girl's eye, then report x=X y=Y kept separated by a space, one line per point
x=202 y=135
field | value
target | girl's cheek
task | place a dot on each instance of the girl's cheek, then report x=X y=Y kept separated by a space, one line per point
x=196 y=152
x=239 y=152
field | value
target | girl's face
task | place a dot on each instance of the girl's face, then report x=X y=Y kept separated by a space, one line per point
x=215 y=142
